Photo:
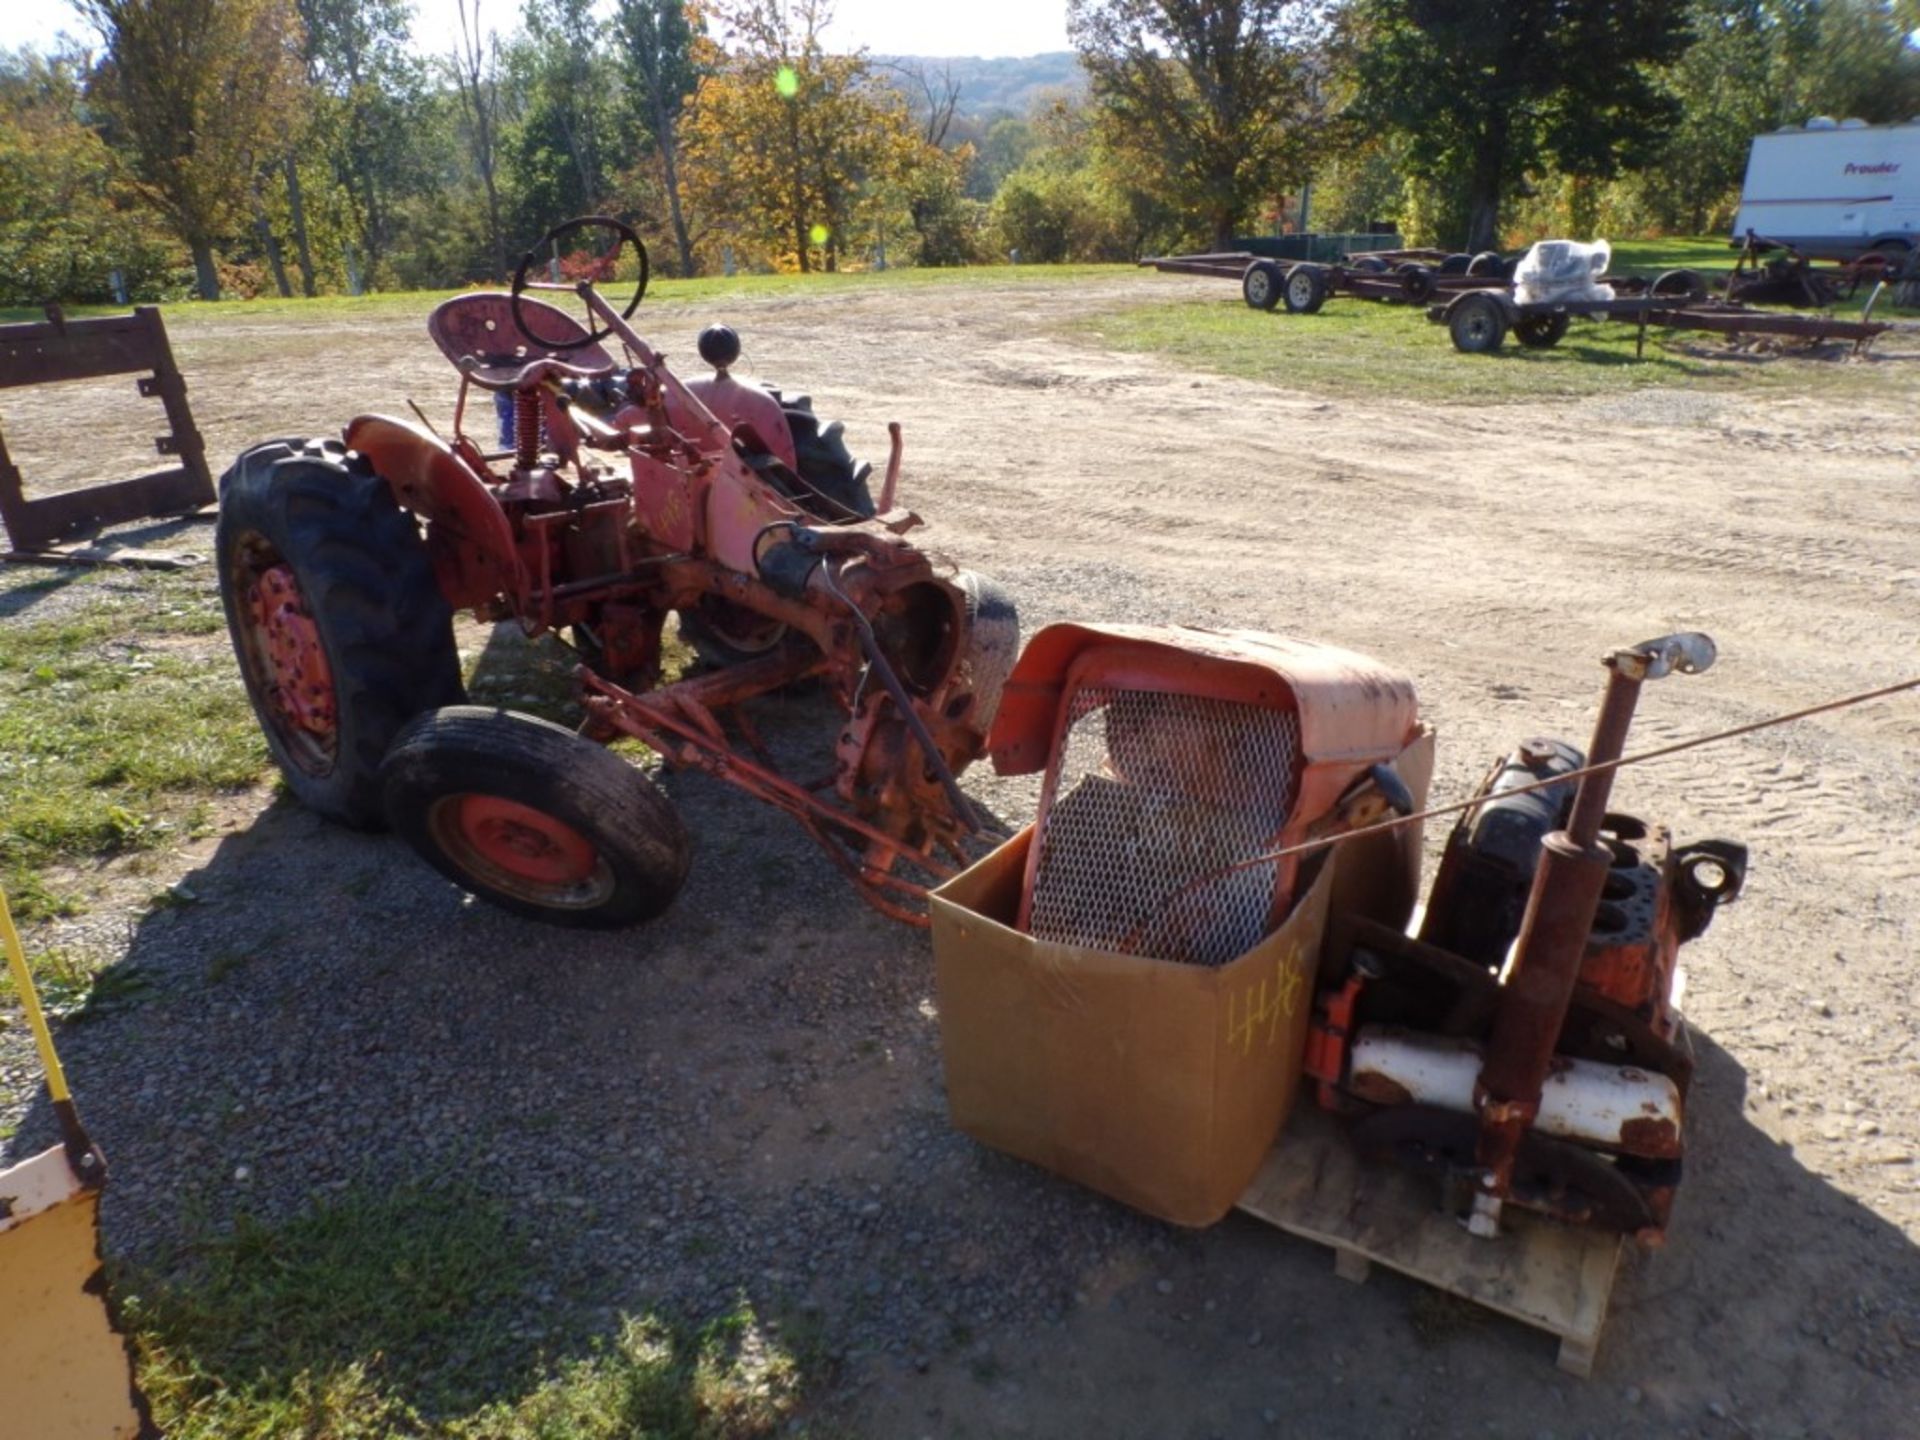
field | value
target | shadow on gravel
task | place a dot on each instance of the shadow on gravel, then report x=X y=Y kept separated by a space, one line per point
x=709 y=1157
x=29 y=584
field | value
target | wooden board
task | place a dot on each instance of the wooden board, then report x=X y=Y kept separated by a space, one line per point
x=133 y=557
x=1553 y=1277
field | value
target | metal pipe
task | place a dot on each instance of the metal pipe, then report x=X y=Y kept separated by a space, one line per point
x=1622 y=1108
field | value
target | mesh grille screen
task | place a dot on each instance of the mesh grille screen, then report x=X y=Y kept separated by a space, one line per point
x=1150 y=791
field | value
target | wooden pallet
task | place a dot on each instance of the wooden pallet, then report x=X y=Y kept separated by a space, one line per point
x=1556 y=1278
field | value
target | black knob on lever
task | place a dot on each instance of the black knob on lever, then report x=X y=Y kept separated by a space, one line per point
x=719 y=346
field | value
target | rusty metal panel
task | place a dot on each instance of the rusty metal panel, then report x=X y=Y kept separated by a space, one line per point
x=45 y=351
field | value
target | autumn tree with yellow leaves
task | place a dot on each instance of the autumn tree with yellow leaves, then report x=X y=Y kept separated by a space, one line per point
x=800 y=155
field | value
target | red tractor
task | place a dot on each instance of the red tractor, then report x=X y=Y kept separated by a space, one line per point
x=628 y=495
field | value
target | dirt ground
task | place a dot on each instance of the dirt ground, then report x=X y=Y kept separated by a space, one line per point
x=1491 y=552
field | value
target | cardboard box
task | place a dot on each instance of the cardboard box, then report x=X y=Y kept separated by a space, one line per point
x=1160 y=1084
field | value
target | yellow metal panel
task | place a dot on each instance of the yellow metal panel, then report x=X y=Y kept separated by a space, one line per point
x=64 y=1373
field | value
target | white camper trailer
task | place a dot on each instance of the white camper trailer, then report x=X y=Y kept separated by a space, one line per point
x=1835 y=189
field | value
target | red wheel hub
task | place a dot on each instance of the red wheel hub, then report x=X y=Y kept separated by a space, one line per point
x=301 y=678
x=524 y=842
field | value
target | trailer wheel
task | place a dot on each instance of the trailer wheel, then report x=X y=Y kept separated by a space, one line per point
x=1261 y=283
x=533 y=818
x=1683 y=284
x=1455 y=264
x=1416 y=283
x=1487 y=263
x=1306 y=289
x=1478 y=325
x=1541 y=332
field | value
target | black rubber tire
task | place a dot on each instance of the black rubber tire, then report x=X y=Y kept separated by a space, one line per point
x=1541 y=332
x=828 y=467
x=1305 y=291
x=368 y=585
x=1477 y=324
x=269 y=453
x=1455 y=264
x=1370 y=265
x=717 y=630
x=993 y=644
x=1416 y=283
x=1681 y=284
x=1261 y=283
x=1487 y=263
x=636 y=833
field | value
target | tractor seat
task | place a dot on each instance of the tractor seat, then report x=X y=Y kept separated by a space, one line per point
x=477 y=333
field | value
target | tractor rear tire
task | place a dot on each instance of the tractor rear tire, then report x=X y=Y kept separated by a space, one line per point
x=724 y=633
x=1477 y=324
x=1306 y=289
x=341 y=632
x=269 y=453
x=1261 y=283
x=535 y=819
x=836 y=488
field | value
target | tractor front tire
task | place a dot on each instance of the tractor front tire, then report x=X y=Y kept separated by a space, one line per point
x=535 y=819
x=993 y=644
x=341 y=632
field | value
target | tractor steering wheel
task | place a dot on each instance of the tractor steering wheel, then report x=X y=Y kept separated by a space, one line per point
x=588 y=248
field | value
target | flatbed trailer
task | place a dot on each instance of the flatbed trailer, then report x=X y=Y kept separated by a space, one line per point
x=1480 y=322
x=1399 y=277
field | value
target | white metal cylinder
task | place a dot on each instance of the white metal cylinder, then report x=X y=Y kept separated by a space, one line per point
x=1615 y=1107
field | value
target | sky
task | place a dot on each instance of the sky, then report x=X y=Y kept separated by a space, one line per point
x=887 y=27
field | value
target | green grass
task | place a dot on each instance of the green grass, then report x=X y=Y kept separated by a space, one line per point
x=412 y=304
x=120 y=720
x=1359 y=347
x=388 y=1314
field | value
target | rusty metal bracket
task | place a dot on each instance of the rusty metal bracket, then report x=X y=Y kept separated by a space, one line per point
x=57 y=348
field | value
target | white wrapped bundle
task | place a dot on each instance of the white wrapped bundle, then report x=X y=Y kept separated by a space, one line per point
x=1558 y=272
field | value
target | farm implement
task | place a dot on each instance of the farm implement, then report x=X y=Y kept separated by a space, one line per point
x=628 y=495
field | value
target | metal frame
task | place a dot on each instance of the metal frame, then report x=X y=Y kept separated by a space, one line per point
x=42 y=352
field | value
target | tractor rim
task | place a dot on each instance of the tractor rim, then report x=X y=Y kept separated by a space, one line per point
x=285 y=657
x=520 y=851
x=1301 y=288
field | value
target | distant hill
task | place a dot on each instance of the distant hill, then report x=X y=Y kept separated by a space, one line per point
x=1005 y=86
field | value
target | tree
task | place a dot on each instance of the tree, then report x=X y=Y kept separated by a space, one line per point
x=476 y=74
x=366 y=88
x=564 y=147
x=67 y=217
x=200 y=93
x=657 y=38
x=1220 y=95
x=1484 y=90
x=799 y=149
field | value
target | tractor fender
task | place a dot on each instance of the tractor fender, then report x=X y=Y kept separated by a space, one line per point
x=469 y=537
x=737 y=402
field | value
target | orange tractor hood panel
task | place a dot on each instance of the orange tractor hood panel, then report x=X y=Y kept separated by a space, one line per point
x=1353 y=711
